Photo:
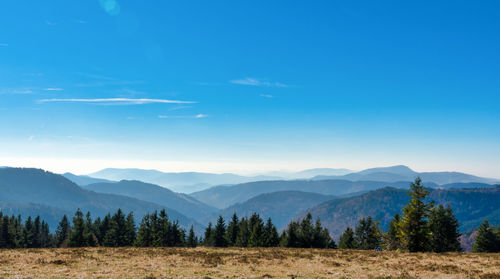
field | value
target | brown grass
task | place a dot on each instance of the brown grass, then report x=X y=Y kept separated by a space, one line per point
x=241 y=263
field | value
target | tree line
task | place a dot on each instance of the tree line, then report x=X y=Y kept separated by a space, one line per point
x=421 y=227
x=254 y=232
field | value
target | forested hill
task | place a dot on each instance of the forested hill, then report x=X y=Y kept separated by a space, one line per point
x=28 y=188
x=186 y=204
x=224 y=196
x=471 y=207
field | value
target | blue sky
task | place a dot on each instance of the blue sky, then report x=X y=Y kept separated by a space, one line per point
x=250 y=86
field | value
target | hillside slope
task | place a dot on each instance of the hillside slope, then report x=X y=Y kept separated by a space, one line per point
x=189 y=206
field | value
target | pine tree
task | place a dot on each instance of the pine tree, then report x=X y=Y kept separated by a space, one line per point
x=130 y=230
x=102 y=228
x=89 y=235
x=291 y=237
x=306 y=232
x=414 y=226
x=28 y=235
x=486 y=239
x=444 y=230
x=367 y=235
x=271 y=236
x=219 y=233
x=192 y=240
x=145 y=233
x=62 y=232
x=321 y=237
x=232 y=230
x=243 y=237
x=391 y=238
x=77 y=237
x=208 y=240
x=346 y=240
x=6 y=236
x=257 y=231
x=116 y=235
x=37 y=227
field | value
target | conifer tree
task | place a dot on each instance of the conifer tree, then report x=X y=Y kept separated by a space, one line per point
x=219 y=233
x=77 y=237
x=486 y=239
x=28 y=234
x=192 y=240
x=306 y=232
x=243 y=237
x=391 y=238
x=145 y=233
x=271 y=236
x=346 y=240
x=62 y=232
x=130 y=230
x=208 y=239
x=444 y=230
x=7 y=239
x=232 y=230
x=321 y=237
x=367 y=235
x=116 y=235
x=257 y=232
x=291 y=237
x=414 y=226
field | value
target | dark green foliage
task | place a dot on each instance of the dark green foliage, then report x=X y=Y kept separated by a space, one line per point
x=271 y=236
x=304 y=235
x=487 y=239
x=219 y=233
x=367 y=235
x=243 y=237
x=232 y=230
x=62 y=232
x=208 y=239
x=391 y=238
x=346 y=240
x=156 y=230
x=444 y=230
x=414 y=228
x=192 y=240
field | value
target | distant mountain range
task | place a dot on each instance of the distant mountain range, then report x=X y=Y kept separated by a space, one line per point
x=188 y=205
x=471 y=207
x=24 y=190
x=224 y=196
x=403 y=173
x=281 y=207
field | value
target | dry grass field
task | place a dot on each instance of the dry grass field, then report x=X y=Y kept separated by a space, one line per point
x=240 y=263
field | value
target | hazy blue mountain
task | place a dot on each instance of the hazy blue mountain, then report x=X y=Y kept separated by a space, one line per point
x=85 y=179
x=51 y=215
x=403 y=173
x=178 y=181
x=188 y=205
x=471 y=207
x=27 y=186
x=224 y=196
x=306 y=174
x=281 y=207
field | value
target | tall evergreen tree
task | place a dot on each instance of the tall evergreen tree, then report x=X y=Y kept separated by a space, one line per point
x=271 y=236
x=414 y=226
x=391 y=237
x=28 y=233
x=208 y=239
x=232 y=230
x=116 y=236
x=486 y=239
x=62 y=232
x=444 y=230
x=257 y=231
x=77 y=238
x=145 y=233
x=306 y=232
x=244 y=233
x=219 y=233
x=367 y=235
x=130 y=229
x=192 y=240
x=346 y=240
x=291 y=237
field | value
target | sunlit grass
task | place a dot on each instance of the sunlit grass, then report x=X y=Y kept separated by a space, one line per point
x=241 y=263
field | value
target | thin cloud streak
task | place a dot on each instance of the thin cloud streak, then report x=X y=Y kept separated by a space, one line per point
x=198 y=116
x=53 y=89
x=126 y=101
x=256 y=82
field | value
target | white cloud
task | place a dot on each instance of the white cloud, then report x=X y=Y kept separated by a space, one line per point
x=53 y=89
x=266 y=95
x=31 y=138
x=125 y=101
x=183 y=116
x=256 y=82
x=16 y=91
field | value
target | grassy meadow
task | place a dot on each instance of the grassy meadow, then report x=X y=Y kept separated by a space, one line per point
x=241 y=263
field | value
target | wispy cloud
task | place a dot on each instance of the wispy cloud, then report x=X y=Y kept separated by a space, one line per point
x=53 y=89
x=266 y=95
x=101 y=80
x=16 y=91
x=256 y=82
x=122 y=101
x=183 y=116
x=4 y=45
